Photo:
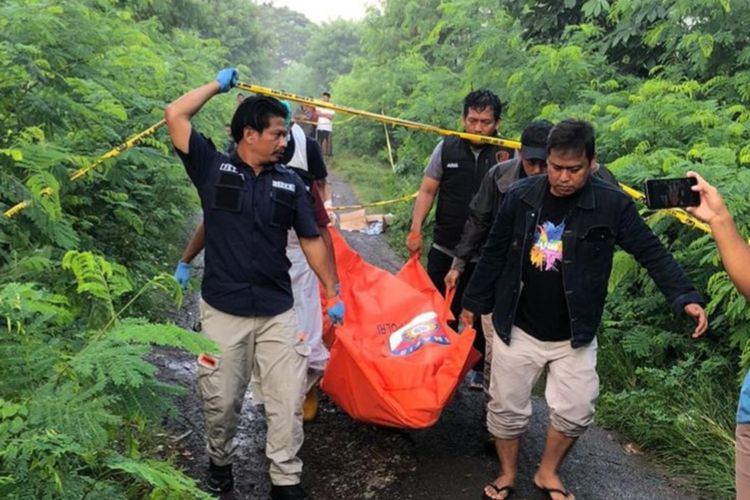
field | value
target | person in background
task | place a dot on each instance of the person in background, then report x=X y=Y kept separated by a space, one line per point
x=307 y=119
x=735 y=255
x=250 y=203
x=453 y=175
x=532 y=160
x=324 y=130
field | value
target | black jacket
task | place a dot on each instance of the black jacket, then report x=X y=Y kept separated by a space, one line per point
x=485 y=204
x=603 y=216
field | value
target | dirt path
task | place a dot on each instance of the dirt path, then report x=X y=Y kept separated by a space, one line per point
x=349 y=460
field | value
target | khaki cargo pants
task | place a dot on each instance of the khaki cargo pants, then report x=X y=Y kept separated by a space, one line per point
x=572 y=384
x=272 y=347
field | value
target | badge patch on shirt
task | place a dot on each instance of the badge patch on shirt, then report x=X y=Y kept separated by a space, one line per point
x=423 y=329
x=452 y=165
x=283 y=185
x=228 y=167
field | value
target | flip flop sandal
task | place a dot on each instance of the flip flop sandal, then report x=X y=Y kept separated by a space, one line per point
x=498 y=490
x=550 y=491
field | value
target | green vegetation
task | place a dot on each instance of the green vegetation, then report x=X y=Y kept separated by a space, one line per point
x=79 y=404
x=82 y=281
x=666 y=85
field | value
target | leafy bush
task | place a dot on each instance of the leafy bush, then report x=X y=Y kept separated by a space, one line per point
x=78 y=397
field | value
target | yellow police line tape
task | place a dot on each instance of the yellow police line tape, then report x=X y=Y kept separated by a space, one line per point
x=14 y=210
x=377 y=203
x=679 y=214
x=335 y=122
x=280 y=94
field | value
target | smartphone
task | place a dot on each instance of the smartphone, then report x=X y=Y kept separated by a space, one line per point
x=668 y=193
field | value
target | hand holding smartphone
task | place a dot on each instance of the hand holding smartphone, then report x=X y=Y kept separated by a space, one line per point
x=669 y=193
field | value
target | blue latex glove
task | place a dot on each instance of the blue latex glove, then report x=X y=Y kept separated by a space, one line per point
x=227 y=79
x=335 y=310
x=182 y=274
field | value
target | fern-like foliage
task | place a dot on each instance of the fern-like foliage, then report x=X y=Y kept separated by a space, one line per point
x=140 y=331
x=111 y=361
x=167 y=482
x=74 y=397
x=97 y=278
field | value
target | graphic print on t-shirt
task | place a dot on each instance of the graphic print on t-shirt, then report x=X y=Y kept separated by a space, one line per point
x=548 y=247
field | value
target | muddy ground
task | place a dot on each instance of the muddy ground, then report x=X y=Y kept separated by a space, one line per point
x=345 y=459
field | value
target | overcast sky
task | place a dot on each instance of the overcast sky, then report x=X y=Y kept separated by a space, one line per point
x=327 y=10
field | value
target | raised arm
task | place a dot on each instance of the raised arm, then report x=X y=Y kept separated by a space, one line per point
x=179 y=112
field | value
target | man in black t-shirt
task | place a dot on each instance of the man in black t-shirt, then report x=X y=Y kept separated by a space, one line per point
x=543 y=273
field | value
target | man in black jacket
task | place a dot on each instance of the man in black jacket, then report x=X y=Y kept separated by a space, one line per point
x=453 y=175
x=543 y=274
x=531 y=161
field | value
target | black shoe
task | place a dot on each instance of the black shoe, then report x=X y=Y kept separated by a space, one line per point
x=288 y=492
x=220 y=478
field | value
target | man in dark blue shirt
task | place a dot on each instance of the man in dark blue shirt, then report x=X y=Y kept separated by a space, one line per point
x=250 y=202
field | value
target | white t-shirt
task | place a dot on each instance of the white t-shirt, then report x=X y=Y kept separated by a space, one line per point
x=325 y=119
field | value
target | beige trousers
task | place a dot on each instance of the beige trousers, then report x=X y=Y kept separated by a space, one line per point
x=271 y=346
x=489 y=337
x=742 y=461
x=572 y=384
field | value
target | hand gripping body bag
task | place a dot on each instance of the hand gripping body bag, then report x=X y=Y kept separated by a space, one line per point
x=395 y=361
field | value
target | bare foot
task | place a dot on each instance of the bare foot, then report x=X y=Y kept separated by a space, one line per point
x=500 y=489
x=552 y=486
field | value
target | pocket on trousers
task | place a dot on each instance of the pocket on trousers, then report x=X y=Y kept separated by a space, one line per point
x=302 y=349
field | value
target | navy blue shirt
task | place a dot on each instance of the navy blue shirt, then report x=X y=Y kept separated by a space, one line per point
x=247 y=218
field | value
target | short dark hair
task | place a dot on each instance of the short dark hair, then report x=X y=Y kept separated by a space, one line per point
x=573 y=135
x=327 y=94
x=535 y=134
x=255 y=112
x=481 y=99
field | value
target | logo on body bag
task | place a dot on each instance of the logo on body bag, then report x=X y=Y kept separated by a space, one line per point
x=423 y=329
